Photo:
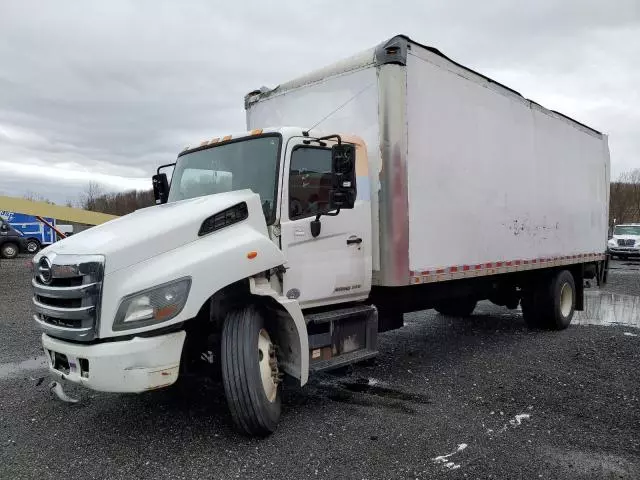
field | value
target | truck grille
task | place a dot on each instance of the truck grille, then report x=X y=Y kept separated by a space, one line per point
x=66 y=296
x=625 y=242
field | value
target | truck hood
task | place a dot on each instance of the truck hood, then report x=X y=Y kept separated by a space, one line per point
x=151 y=231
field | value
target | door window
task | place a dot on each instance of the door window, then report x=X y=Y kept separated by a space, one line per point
x=309 y=181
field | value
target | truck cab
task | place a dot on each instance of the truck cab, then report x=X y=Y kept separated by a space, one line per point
x=256 y=227
x=625 y=241
x=12 y=241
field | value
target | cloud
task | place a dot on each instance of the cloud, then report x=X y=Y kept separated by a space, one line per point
x=108 y=91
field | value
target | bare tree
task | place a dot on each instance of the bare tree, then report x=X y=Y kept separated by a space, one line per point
x=36 y=197
x=115 y=203
x=624 y=200
x=89 y=197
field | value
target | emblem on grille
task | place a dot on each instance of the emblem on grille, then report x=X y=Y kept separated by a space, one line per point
x=44 y=270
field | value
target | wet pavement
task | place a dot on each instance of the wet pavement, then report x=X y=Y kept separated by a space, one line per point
x=603 y=308
x=482 y=397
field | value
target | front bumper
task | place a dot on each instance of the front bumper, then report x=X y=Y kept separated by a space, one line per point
x=630 y=251
x=134 y=366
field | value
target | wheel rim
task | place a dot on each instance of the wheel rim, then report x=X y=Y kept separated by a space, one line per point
x=268 y=365
x=9 y=251
x=32 y=247
x=566 y=300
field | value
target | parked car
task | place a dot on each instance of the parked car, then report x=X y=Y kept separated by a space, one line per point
x=625 y=241
x=11 y=241
x=37 y=235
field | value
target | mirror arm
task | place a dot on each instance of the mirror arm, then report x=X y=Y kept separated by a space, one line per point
x=165 y=166
x=316 y=225
x=329 y=137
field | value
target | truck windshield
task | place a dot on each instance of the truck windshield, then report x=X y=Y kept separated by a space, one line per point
x=627 y=230
x=249 y=163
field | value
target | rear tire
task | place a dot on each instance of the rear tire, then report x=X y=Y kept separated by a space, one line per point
x=461 y=307
x=9 y=250
x=32 y=246
x=550 y=303
x=250 y=372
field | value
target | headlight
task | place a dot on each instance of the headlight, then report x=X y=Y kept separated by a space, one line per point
x=151 y=306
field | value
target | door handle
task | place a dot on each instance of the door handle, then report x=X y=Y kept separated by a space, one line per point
x=354 y=241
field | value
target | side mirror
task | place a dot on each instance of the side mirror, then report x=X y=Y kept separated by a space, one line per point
x=343 y=167
x=160 y=188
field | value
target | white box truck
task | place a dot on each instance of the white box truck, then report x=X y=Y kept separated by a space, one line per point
x=407 y=182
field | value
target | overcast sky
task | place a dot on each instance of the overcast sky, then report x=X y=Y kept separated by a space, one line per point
x=108 y=90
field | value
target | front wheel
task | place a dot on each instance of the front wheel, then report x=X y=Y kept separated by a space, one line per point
x=32 y=246
x=9 y=250
x=250 y=372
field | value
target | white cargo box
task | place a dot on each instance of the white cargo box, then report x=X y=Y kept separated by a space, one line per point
x=468 y=177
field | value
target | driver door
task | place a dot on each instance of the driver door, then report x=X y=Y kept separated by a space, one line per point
x=335 y=266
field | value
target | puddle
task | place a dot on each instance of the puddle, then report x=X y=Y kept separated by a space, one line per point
x=17 y=368
x=609 y=309
x=393 y=394
x=368 y=393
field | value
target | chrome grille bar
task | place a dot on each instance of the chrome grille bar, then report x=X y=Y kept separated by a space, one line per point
x=67 y=292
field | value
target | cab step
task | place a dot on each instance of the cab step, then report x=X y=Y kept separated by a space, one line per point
x=342 y=337
x=342 y=360
x=340 y=314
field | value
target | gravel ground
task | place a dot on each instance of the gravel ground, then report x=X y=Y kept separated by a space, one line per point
x=477 y=398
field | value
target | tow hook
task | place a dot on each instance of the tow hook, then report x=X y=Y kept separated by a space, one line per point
x=56 y=387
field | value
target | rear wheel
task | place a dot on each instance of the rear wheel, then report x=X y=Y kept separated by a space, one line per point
x=461 y=307
x=549 y=304
x=250 y=372
x=9 y=250
x=32 y=245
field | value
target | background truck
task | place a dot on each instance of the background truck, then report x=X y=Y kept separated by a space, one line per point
x=11 y=241
x=36 y=234
x=625 y=241
x=444 y=188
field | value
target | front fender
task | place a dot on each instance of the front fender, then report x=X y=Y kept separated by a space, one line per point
x=292 y=329
x=213 y=262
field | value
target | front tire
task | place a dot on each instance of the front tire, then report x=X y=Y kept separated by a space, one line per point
x=9 y=250
x=550 y=304
x=250 y=372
